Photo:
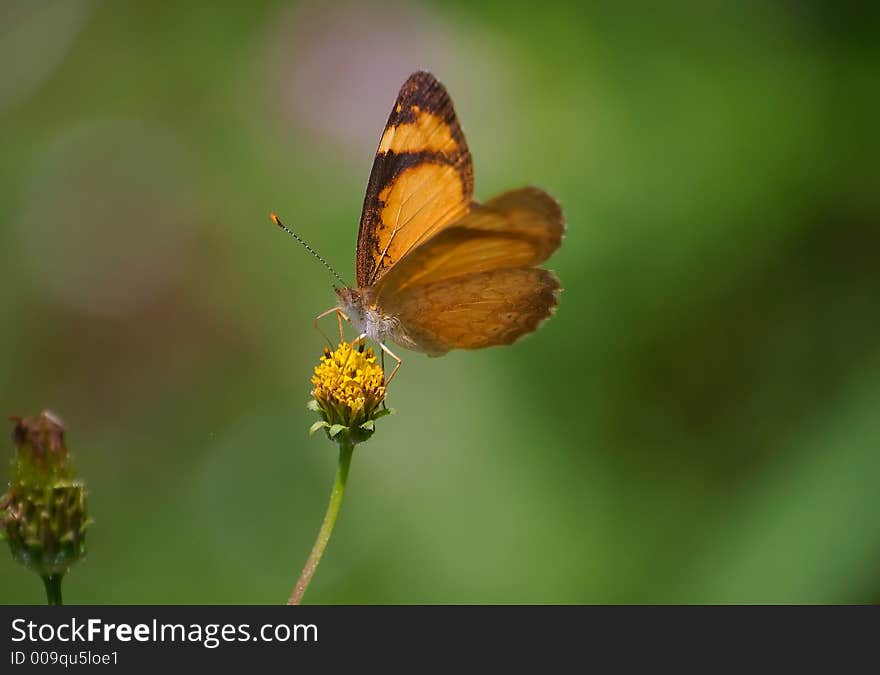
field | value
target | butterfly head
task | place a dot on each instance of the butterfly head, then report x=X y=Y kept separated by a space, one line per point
x=352 y=303
x=349 y=298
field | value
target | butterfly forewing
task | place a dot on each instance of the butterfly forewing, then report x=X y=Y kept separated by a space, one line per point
x=421 y=181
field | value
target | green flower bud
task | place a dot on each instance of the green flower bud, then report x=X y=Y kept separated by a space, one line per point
x=44 y=512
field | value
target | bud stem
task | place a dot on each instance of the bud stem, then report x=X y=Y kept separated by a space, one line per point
x=53 y=588
x=346 y=448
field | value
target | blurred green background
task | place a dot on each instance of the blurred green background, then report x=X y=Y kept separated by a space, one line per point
x=700 y=422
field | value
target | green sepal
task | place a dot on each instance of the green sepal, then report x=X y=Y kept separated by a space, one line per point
x=369 y=425
x=336 y=429
x=320 y=424
x=313 y=406
x=45 y=526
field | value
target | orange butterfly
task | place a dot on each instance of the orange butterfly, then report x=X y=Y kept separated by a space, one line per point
x=436 y=270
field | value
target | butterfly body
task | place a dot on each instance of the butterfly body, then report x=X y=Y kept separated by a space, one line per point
x=370 y=321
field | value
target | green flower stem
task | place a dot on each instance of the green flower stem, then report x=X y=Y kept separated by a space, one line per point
x=346 y=448
x=53 y=588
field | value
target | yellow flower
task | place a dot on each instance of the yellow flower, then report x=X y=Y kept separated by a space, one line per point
x=348 y=388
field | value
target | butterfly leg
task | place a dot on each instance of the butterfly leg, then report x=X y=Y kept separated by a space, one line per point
x=394 y=356
x=340 y=315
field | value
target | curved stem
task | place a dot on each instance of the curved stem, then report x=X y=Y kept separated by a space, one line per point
x=346 y=448
x=53 y=588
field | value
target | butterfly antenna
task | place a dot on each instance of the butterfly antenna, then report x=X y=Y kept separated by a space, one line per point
x=308 y=248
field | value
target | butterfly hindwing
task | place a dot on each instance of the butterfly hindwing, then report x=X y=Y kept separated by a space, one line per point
x=478 y=310
x=476 y=282
x=421 y=181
